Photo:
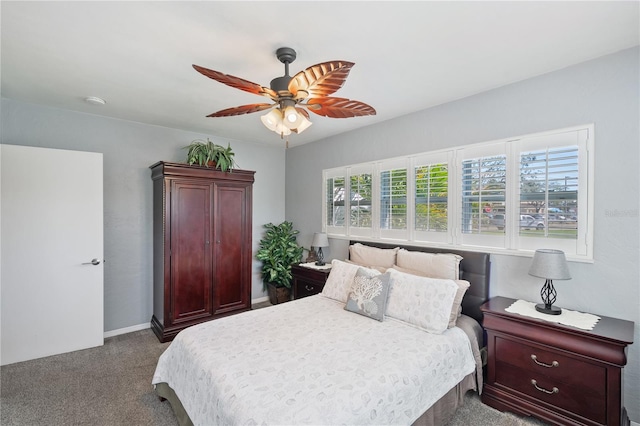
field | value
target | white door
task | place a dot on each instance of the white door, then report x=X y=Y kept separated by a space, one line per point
x=51 y=229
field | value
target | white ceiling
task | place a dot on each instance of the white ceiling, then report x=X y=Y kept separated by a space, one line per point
x=409 y=55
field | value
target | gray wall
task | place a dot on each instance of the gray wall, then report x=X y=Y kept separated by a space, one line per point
x=128 y=150
x=604 y=92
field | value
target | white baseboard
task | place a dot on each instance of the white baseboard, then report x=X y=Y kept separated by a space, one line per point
x=148 y=324
x=259 y=300
x=634 y=423
x=127 y=330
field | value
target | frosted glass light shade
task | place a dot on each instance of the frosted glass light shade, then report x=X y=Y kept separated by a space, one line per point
x=292 y=118
x=271 y=119
x=304 y=124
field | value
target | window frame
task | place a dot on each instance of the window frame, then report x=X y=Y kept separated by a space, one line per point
x=511 y=243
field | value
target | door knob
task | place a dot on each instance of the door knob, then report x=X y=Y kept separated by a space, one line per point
x=94 y=262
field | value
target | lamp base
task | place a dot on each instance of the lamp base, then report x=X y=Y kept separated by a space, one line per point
x=550 y=310
x=320 y=263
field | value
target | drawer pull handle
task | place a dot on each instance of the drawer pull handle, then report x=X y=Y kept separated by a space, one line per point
x=553 y=364
x=550 y=392
x=308 y=287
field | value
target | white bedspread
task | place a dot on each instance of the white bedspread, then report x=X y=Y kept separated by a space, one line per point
x=311 y=362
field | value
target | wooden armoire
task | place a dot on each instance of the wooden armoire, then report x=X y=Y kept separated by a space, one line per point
x=202 y=247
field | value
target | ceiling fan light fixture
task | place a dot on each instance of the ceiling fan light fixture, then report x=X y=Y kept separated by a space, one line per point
x=304 y=124
x=282 y=130
x=292 y=118
x=271 y=119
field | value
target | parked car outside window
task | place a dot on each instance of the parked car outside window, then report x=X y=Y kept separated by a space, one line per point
x=526 y=222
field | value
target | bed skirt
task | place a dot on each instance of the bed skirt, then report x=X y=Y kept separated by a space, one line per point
x=439 y=413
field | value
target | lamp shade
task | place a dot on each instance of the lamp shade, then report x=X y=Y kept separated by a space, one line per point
x=320 y=240
x=550 y=264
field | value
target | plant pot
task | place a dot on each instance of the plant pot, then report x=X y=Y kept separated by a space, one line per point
x=278 y=294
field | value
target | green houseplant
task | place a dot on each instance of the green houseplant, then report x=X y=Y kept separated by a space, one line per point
x=278 y=250
x=207 y=153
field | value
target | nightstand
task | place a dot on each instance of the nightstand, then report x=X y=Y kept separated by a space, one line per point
x=308 y=281
x=560 y=374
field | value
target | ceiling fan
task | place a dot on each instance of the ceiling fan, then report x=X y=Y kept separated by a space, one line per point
x=292 y=97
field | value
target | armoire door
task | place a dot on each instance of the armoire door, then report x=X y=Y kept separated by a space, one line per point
x=232 y=233
x=191 y=248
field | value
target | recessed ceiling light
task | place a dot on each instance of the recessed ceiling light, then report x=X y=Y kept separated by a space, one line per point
x=94 y=100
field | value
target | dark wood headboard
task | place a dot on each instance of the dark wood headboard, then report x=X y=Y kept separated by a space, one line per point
x=474 y=267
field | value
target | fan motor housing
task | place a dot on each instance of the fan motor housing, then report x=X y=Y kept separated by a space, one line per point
x=280 y=84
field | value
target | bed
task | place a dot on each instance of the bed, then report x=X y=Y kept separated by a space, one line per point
x=321 y=360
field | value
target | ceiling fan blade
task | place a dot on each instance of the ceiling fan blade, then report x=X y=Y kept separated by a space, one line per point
x=244 y=109
x=320 y=80
x=237 y=82
x=304 y=112
x=339 y=107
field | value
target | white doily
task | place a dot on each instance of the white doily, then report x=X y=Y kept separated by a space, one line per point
x=574 y=318
x=312 y=265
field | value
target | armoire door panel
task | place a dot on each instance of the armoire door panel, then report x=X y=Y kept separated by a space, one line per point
x=230 y=234
x=191 y=250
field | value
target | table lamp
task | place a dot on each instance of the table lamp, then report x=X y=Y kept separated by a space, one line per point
x=320 y=240
x=550 y=265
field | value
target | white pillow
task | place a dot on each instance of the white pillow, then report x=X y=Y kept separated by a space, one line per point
x=434 y=265
x=381 y=269
x=372 y=256
x=340 y=279
x=456 y=308
x=422 y=302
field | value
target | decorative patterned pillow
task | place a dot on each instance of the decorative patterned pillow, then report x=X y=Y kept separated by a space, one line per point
x=340 y=279
x=423 y=302
x=368 y=294
x=434 y=265
x=456 y=308
x=372 y=256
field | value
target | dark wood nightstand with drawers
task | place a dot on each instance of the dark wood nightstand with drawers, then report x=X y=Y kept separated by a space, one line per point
x=560 y=374
x=308 y=281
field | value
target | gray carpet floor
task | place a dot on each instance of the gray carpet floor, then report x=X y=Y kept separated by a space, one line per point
x=111 y=385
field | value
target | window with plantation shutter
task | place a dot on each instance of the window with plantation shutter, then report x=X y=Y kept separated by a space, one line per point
x=552 y=196
x=335 y=206
x=393 y=201
x=549 y=191
x=431 y=200
x=484 y=185
x=360 y=205
x=508 y=196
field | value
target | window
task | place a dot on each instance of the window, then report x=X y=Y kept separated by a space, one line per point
x=335 y=201
x=360 y=200
x=393 y=199
x=549 y=191
x=518 y=194
x=484 y=186
x=554 y=176
x=431 y=205
x=393 y=204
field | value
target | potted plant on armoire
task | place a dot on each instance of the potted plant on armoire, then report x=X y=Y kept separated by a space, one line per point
x=278 y=250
